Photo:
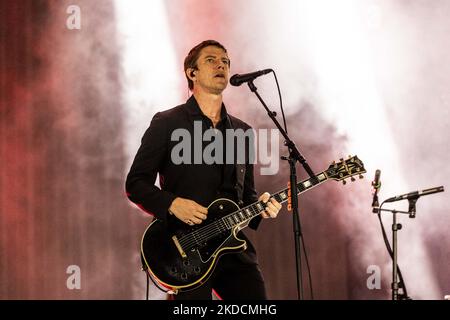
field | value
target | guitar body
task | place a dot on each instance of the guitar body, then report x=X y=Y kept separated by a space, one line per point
x=182 y=272
x=180 y=257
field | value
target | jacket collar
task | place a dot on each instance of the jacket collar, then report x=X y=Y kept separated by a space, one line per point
x=194 y=110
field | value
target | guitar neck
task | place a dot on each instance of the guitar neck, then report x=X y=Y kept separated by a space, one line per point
x=249 y=212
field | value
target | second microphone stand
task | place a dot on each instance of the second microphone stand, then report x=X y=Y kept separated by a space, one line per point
x=294 y=156
x=395 y=285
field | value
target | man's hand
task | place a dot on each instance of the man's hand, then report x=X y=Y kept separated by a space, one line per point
x=273 y=207
x=188 y=211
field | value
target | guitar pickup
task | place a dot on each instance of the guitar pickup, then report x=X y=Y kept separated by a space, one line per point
x=179 y=247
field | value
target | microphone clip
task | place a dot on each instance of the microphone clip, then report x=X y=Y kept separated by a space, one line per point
x=376 y=186
x=412 y=206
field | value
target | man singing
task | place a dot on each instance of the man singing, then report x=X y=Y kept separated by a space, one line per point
x=187 y=189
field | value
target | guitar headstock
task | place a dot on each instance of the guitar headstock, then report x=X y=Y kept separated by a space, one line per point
x=343 y=169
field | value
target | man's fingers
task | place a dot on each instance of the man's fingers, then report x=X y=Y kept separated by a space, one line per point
x=276 y=203
x=264 y=197
x=202 y=209
x=271 y=207
x=200 y=215
x=195 y=220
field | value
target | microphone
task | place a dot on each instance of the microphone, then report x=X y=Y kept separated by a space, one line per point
x=239 y=79
x=376 y=184
x=416 y=194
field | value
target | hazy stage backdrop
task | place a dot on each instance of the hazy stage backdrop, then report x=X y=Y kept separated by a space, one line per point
x=80 y=81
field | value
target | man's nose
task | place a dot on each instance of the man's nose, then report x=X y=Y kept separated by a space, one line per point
x=221 y=65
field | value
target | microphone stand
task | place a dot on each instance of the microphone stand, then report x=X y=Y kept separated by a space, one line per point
x=294 y=156
x=395 y=227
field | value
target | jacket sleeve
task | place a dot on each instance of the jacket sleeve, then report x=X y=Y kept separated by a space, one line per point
x=140 y=183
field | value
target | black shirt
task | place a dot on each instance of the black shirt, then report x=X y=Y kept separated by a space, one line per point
x=221 y=174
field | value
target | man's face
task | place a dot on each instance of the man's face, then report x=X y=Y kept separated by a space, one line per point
x=213 y=70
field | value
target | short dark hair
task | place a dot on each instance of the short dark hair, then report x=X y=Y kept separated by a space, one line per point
x=191 y=59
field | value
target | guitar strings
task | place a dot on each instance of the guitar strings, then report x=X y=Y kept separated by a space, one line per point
x=204 y=234
x=227 y=225
x=208 y=232
x=205 y=231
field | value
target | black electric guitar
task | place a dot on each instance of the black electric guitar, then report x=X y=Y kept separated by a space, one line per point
x=180 y=257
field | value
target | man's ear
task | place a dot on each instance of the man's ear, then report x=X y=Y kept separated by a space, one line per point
x=191 y=73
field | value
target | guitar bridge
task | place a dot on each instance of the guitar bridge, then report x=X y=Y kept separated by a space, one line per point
x=179 y=247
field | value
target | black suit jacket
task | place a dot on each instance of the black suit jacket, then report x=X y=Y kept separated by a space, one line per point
x=189 y=181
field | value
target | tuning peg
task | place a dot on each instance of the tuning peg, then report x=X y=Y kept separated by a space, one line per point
x=352 y=178
x=344 y=182
x=361 y=176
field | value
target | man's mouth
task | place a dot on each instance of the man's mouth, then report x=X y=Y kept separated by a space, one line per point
x=220 y=75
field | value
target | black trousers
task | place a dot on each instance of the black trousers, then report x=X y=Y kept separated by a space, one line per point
x=231 y=279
